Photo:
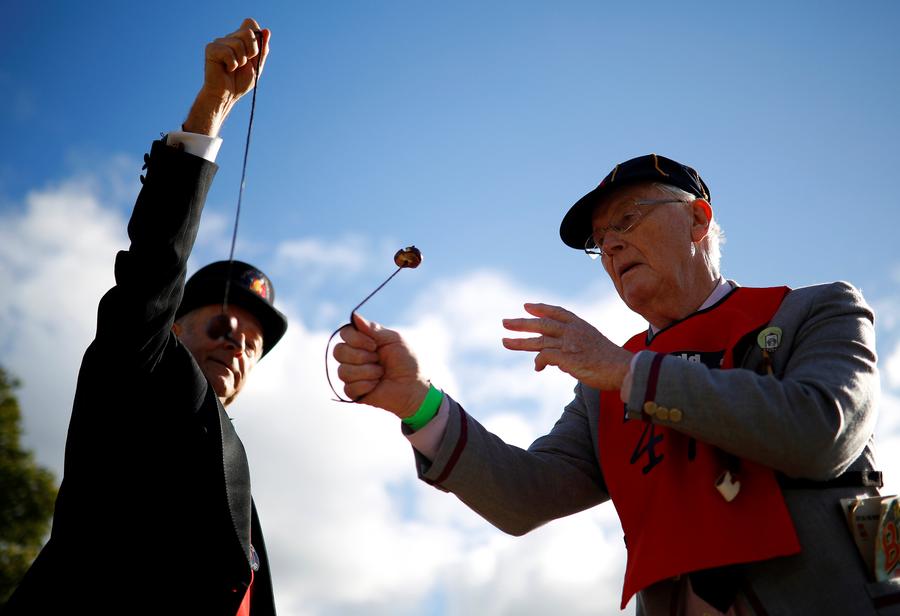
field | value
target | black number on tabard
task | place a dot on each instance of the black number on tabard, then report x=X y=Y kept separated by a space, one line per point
x=652 y=440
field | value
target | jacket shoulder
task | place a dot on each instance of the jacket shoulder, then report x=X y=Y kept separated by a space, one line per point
x=840 y=293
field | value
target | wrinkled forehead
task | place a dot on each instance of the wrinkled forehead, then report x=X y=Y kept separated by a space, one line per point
x=618 y=201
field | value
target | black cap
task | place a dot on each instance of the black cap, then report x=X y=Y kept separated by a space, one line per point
x=576 y=226
x=250 y=289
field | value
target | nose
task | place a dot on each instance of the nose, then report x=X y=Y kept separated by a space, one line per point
x=236 y=342
x=612 y=243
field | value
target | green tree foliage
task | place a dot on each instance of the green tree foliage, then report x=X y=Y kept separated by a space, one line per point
x=27 y=492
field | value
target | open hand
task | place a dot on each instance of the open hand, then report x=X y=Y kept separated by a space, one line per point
x=571 y=344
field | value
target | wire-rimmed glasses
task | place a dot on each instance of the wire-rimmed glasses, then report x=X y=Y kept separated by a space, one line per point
x=632 y=217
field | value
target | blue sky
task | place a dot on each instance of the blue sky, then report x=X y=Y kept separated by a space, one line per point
x=465 y=128
x=442 y=122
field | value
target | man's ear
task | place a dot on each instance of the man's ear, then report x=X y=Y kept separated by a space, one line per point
x=176 y=328
x=702 y=215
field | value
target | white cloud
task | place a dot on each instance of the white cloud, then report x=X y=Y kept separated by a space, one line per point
x=887 y=440
x=358 y=512
x=891 y=367
x=349 y=527
x=339 y=256
x=56 y=260
x=310 y=262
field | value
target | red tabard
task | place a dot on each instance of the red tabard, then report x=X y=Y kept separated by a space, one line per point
x=662 y=482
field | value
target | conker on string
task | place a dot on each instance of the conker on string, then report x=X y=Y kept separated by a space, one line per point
x=410 y=257
x=221 y=326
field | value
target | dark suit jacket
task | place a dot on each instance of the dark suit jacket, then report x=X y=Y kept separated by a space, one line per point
x=154 y=514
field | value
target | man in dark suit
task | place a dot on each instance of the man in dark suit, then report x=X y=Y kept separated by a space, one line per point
x=725 y=434
x=154 y=514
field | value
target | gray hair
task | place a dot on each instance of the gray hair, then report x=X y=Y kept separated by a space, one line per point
x=715 y=237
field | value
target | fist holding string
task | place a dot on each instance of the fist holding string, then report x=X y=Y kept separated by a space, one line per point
x=378 y=368
x=230 y=71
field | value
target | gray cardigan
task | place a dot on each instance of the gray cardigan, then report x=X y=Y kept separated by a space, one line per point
x=814 y=421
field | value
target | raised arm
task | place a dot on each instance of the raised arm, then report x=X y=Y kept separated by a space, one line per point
x=136 y=316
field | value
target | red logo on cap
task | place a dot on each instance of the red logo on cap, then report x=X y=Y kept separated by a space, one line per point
x=259 y=286
x=255 y=282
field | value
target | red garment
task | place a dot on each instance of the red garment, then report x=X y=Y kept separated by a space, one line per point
x=244 y=610
x=662 y=482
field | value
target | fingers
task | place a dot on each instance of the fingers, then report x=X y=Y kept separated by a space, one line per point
x=358 y=368
x=249 y=24
x=547 y=327
x=547 y=357
x=359 y=389
x=349 y=354
x=556 y=313
x=248 y=35
x=357 y=338
x=361 y=323
x=218 y=52
x=358 y=365
x=551 y=320
x=531 y=344
x=366 y=372
x=236 y=49
x=381 y=335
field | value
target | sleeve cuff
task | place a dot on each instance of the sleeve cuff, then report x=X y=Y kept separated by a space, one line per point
x=642 y=381
x=204 y=146
x=427 y=439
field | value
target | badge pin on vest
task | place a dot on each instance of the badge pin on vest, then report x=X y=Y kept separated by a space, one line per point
x=769 y=340
x=254 y=558
x=728 y=486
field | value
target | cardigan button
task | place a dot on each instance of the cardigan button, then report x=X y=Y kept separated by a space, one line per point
x=662 y=413
x=650 y=407
x=675 y=415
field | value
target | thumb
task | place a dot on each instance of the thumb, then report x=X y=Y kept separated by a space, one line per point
x=374 y=330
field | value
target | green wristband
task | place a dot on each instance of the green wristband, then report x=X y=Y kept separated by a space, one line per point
x=427 y=410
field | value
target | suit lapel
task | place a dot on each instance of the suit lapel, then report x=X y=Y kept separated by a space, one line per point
x=237 y=479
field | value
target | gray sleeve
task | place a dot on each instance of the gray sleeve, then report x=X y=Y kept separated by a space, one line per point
x=514 y=489
x=813 y=418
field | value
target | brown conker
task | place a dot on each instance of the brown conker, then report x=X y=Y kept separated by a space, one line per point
x=410 y=257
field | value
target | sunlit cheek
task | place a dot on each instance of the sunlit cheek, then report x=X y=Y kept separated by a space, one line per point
x=607 y=266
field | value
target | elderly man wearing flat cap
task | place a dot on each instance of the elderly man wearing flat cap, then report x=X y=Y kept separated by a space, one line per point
x=154 y=515
x=725 y=434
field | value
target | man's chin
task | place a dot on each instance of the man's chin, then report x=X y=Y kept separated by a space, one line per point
x=636 y=298
x=222 y=385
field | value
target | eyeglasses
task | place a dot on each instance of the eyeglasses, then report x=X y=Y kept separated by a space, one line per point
x=632 y=217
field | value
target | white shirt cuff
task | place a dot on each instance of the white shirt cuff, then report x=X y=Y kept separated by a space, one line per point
x=427 y=439
x=203 y=146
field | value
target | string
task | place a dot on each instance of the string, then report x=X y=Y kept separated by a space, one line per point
x=369 y=296
x=237 y=215
x=338 y=397
x=409 y=257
